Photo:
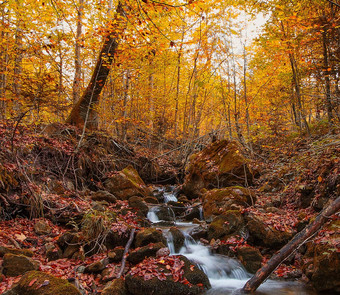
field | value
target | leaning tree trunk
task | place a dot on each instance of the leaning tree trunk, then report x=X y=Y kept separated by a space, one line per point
x=288 y=249
x=83 y=112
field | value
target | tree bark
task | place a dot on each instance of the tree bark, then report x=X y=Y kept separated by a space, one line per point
x=77 y=58
x=288 y=249
x=83 y=113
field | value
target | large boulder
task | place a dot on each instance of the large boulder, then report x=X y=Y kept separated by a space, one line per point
x=225 y=225
x=126 y=183
x=218 y=201
x=322 y=260
x=250 y=257
x=39 y=283
x=15 y=265
x=149 y=235
x=138 y=204
x=166 y=276
x=265 y=234
x=219 y=165
x=115 y=287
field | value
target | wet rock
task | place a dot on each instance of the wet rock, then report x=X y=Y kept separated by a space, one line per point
x=198 y=233
x=43 y=284
x=15 y=265
x=137 y=283
x=5 y=250
x=137 y=203
x=42 y=228
x=250 y=257
x=149 y=235
x=127 y=183
x=177 y=207
x=225 y=225
x=221 y=164
x=266 y=235
x=193 y=213
x=218 y=201
x=177 y=238
x=183 y=199
x=165 y=213
x=115 y=287
x=104 y=196
x=139 y=254
x=151 y=200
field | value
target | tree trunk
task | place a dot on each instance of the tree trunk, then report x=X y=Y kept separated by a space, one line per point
x=327 y=80
x=83 y=112
x=288 y=249
x=77 y=58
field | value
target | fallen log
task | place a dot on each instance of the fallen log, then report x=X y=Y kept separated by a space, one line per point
x=289 y=248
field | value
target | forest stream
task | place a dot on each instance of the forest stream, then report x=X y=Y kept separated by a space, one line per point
x=226 y=275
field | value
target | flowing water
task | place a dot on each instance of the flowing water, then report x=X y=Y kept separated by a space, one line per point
x=226 y=275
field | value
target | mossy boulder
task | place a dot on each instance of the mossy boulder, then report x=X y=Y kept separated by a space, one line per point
x=127 y=183
x=166 y=276
x=218 y=201
x=225 y=225
x=221 y=164
x=6 y=250
x=149 y=235
x=43 y=284
x=115 y=287
x=15 y=265
x=264 y=234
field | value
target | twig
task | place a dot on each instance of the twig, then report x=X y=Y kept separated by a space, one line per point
x=127 y=247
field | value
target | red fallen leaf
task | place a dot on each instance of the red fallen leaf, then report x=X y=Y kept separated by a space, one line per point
x=32 y=282
x=192 y=267
x=167 y=266
x=185 y=282
x=199 y=285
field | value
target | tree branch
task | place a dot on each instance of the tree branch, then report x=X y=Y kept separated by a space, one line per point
x=332 y=2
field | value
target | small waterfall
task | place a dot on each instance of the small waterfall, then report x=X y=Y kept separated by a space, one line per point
x=225 y=274
x=152 y=216
x=217 y=267
x=169 y=196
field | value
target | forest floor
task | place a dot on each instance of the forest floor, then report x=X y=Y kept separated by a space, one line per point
x=46 y=176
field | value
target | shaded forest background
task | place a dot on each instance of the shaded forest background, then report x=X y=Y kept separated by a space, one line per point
x=182 y=70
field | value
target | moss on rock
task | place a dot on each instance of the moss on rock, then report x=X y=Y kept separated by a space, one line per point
x=39 y=283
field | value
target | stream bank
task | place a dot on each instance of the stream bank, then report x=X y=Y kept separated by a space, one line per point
x=69 y=213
